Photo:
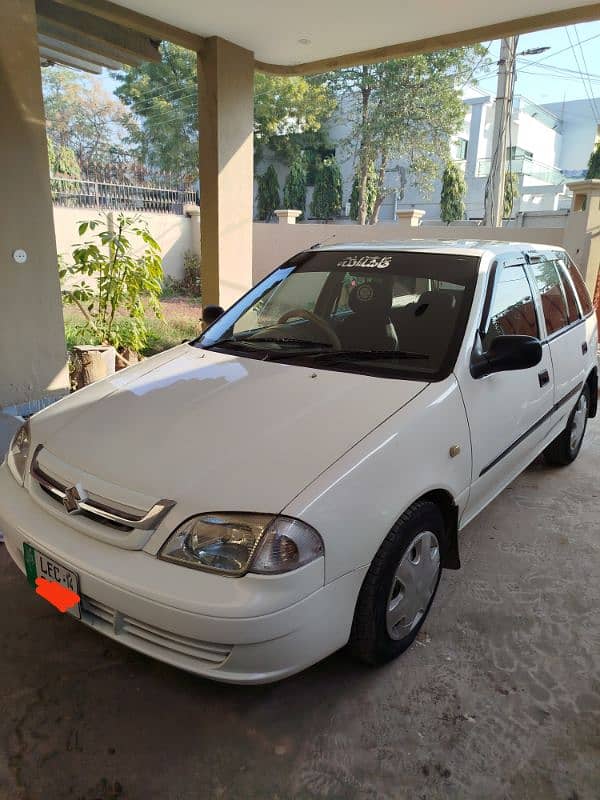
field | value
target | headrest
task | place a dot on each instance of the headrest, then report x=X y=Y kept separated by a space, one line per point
x=440 y=300
x=370 y=298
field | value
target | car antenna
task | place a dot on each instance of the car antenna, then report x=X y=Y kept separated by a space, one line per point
x=320 y=244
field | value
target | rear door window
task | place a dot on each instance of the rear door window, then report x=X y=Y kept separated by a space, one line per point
x=513 y=309
x=554 y=304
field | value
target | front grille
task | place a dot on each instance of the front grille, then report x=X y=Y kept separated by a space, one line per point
x=148 y=638
x=98 y=509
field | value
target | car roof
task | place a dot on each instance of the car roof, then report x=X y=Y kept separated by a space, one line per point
x=462 y=247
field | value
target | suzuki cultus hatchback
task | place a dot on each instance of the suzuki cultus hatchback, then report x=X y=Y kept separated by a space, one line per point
x=295 y=479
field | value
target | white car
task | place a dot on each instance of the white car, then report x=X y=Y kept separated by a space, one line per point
x=294 y=480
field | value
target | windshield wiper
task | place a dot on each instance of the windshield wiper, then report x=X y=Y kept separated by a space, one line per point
x=267 y=340
x=352 y=355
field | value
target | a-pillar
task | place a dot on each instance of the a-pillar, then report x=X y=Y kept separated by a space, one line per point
x=581 y=238
x=226 y=119
x=33 y=362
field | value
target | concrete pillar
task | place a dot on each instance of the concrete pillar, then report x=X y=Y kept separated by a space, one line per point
x=226 y=119
x=411 y=217
x=475 y=130
x=193 y=213
x=581 y=231
x=287 y=216
x=33 y=363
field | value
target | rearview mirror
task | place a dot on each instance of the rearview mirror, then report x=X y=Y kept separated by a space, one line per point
x=506 y=353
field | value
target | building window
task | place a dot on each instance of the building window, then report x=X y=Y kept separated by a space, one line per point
x=518 y=152
x=458 y=149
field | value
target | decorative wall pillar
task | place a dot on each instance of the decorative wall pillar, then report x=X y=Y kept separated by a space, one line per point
x=582 y=231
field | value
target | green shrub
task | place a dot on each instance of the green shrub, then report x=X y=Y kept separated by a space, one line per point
x=190 y=284
x=593 y=170
x=294 y=191
x=511 y=193
x=371 y=193
x=452 y=200
x=327 y=197
x=268 y=194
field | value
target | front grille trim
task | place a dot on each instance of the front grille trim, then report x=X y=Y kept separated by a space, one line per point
x=100 y=512
x=143 y=635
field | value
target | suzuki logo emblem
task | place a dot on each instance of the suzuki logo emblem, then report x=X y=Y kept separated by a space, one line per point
x=73 y=497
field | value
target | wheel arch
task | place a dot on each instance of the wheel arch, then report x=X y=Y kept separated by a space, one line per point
x=445 y=502
x=592 y=382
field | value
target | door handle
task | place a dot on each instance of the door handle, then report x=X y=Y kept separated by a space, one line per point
x=584 y=348
x=544 y=377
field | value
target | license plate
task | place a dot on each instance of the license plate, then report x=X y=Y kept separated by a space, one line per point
x=39 y=565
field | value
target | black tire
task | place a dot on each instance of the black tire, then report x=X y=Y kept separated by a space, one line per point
x=370 y=640
x=560 y=453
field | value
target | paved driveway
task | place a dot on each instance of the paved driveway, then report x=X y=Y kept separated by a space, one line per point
x=500 y=697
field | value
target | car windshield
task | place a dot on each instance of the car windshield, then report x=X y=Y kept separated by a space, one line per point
x=385 y=313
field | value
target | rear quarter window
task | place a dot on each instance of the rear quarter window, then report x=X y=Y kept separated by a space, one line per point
x=582 y=293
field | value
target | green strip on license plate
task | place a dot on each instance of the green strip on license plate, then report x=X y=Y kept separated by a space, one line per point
x=30 y=567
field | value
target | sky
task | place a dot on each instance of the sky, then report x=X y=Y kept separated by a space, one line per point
x=555 y=75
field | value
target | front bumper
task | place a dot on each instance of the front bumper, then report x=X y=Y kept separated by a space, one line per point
x=266 y=627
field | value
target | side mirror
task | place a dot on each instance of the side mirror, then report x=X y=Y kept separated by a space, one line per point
x=506 y=353
x=210 y=314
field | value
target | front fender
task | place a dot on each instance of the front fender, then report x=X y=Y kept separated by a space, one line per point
x=357 y=500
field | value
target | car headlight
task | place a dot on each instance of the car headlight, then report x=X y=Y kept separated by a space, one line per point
x=233 y=544
x=18 y=453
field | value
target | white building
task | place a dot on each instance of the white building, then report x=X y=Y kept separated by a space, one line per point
x=549 y=145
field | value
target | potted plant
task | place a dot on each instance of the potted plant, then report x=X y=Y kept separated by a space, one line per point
x=114 y=278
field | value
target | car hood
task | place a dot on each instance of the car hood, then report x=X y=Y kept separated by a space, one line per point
x=223 y=432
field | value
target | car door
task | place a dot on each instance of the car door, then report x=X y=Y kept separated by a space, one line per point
x=565 y=331
x=508 y=411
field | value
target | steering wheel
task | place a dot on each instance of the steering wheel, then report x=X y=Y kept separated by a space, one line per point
x=320 y=323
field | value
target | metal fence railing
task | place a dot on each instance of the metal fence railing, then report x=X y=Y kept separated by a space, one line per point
x=75 y=193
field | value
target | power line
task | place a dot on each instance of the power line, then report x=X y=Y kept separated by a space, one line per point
x=592 y=99
x=564 y=50
x=585 y=86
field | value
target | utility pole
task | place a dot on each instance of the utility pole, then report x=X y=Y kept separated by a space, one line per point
x=494 y=195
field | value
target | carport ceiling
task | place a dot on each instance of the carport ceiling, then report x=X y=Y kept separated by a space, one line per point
x=318 y=34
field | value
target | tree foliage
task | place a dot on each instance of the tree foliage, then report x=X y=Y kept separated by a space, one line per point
x=452 y=200
x=84 y=122
x=121 y=279
x=371 y=193
x=405 y=108
x=289 y=114
x=164 y=96
x=327 y=196
x=268 y=194
x=593 y=170
x=294 y=190
x=63 y=161
x=511 y=193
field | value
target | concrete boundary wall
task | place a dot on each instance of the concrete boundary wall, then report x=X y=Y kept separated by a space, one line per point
x=174 y=232
x=273 y=244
